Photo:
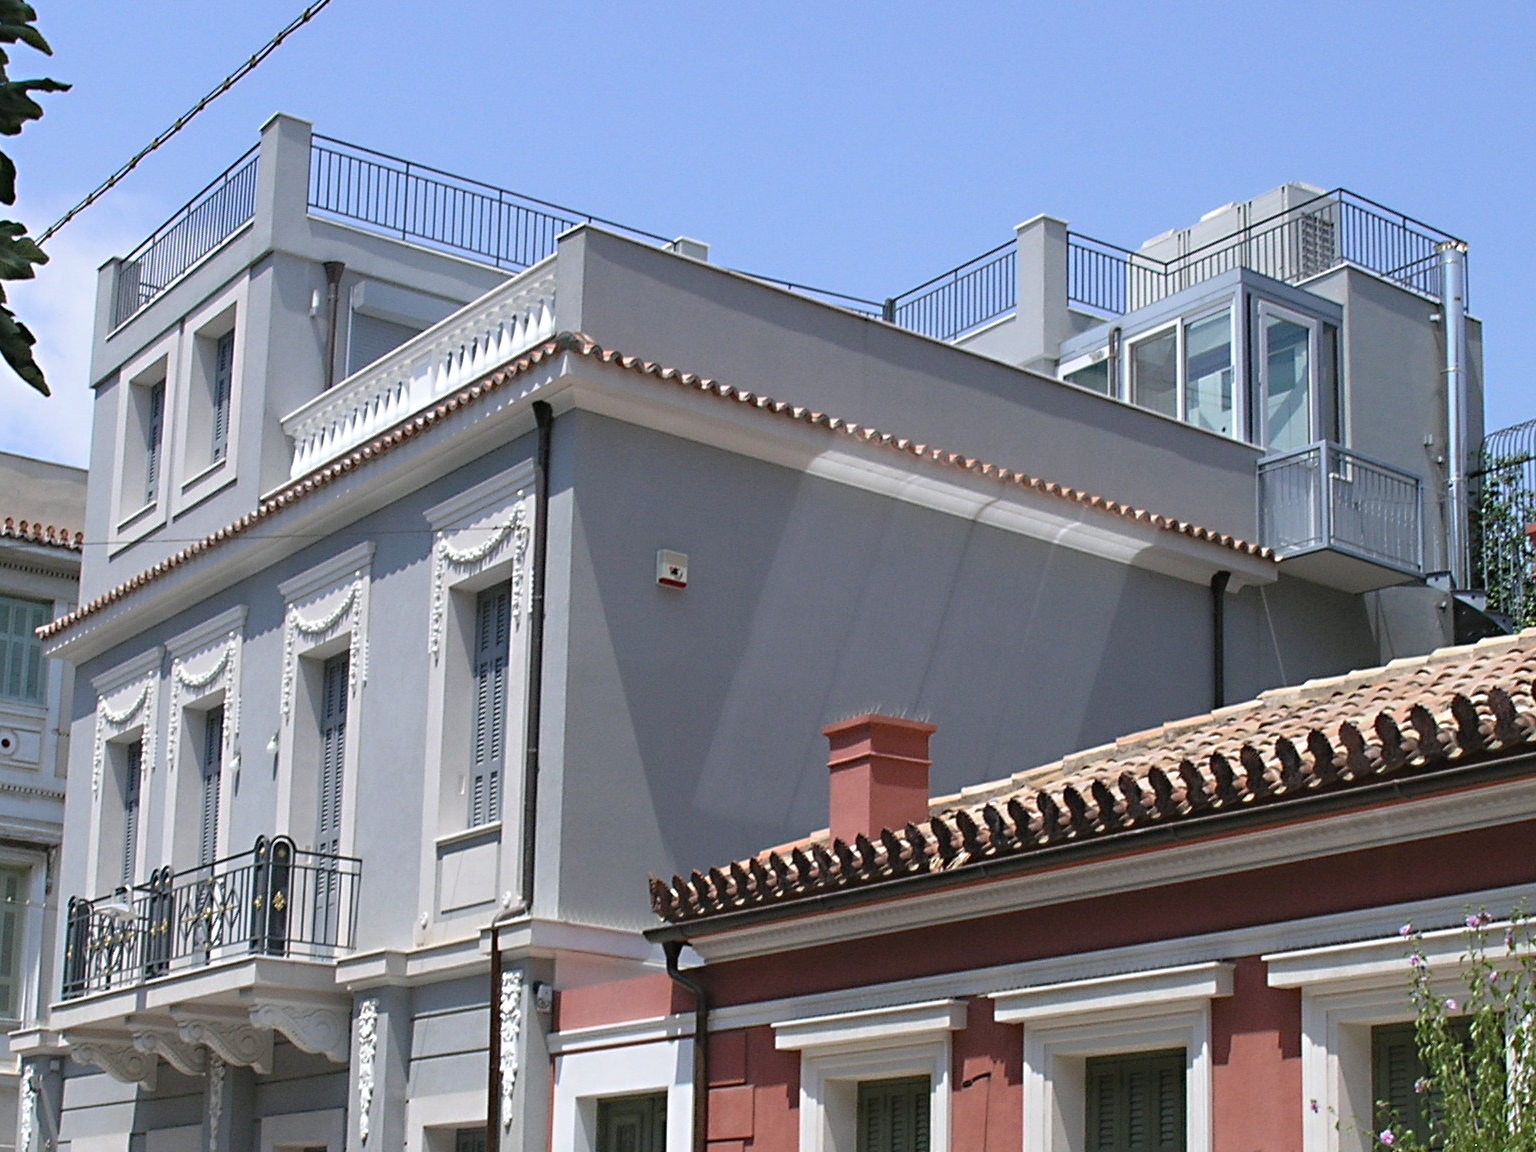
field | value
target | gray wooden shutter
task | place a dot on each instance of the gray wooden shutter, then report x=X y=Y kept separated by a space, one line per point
x=21 y=652
x=493 y=618
x=133 y=766
x=12 y=905
x=893 y=1115
x=154 y=433
x=223 y=384
x=333 y=742
x=632 y=1123
x=213 y=771
x=1396 y=1067
x=1136 y=1103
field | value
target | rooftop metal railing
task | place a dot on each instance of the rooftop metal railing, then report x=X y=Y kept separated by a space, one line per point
x=438 y=209
x=193 y=231
x=962 y=299
x=1325 y=496
x=1504 y=562
x=273 y=901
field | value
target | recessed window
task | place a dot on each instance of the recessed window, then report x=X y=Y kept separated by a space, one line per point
x=13 y=905
x=131 y=786
x=1397 y=1068
x=493 y=619
x=212 y=783
x=632 y=1123
x=222 y=385
x=1135 y=1102
x=22 y=671
x=893 y=1114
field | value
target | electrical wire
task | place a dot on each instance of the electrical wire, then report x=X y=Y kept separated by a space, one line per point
x=186 y=117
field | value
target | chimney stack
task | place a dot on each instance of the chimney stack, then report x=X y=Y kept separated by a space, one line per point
x=879 y=767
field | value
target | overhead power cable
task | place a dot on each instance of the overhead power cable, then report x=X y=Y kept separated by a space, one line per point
x=185 y=118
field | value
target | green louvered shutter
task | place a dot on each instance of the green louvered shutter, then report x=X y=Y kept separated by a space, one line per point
x=21 y=652
x=223 y=384
x=1136 y=1103
x=493 y=618
x=13 y=887
x=213 y=771
x=1396 y=1067
x=632 y=1123
x=894 y=1115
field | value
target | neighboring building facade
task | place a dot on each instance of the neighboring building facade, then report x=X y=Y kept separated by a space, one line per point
x=1191 y=939
x=42 y=513
x=432 y=596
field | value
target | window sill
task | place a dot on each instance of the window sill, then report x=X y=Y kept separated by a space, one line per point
x=451 y=840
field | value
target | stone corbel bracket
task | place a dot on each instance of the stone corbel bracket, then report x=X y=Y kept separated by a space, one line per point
x=231 y=1036
x=166 y=1040
x=312 y=1027
x=115 y=1054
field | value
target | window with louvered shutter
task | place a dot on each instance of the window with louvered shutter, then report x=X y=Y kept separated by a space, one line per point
x=133 y=768
x=154 y=435
x=632 y=1123
x=13 y=887
x=1396 y=1067
x=333 y=741
x=21 y=652
x=493 y=618
x=213 y=771
x=1136 y=1102
x=222 y=386
x=894 y=1115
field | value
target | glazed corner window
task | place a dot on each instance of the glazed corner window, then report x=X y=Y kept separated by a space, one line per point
x=1155 y=373
x=1186 y=372
x=1094 y=377
x=22 y=674
x=1135 y=1102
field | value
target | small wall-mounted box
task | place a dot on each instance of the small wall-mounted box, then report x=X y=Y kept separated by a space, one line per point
x=672 y=569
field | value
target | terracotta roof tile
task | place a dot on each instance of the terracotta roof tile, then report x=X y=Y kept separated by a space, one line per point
x=584 y=345
x=1457 y=705
x=32 y=532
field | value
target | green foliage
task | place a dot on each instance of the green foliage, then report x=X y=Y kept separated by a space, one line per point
x=1479 y=1074
x=18 y=252
x=1504 y=507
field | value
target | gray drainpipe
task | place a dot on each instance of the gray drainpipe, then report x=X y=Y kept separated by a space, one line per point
x=1453 y=291
x=333 y=273
x=673 y=949
x=1219 y=639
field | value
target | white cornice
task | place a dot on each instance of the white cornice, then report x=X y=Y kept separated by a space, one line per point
x=487 y=496
x=209 y=632
x=323 y=577
x=911 y=906
x=1166 y=989
x=146 y=663
x=906 y=1024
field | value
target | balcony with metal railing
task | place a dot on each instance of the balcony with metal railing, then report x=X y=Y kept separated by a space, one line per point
x=272 y=901
x=1341 y=519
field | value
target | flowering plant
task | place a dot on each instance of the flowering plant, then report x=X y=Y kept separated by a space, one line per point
x=1477 y=1046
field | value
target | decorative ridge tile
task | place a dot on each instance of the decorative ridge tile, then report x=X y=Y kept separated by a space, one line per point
x=583 y=345
x=36 y=532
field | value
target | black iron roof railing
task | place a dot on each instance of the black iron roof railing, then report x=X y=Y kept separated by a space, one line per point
x=273 y=900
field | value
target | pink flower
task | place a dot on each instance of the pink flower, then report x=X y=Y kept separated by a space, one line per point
x=1405 y=931
x=1314 y=1103
x=1478 y=920
x=1387 y=1137
x=1450 y=1005
x=1421 y=1085
x=1416 y=960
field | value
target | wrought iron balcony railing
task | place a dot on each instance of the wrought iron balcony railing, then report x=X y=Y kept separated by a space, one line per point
x=1324 y=496
x=271 y=901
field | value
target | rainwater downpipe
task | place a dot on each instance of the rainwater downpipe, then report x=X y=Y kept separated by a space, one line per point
x=673 y=949
x=333 y=273
x=1219 y=639
x=544 y=419
x=1453 y=266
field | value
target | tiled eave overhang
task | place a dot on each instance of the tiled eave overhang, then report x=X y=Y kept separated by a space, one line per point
x=45 y=535
x=1457 y=720
x=1254 y=562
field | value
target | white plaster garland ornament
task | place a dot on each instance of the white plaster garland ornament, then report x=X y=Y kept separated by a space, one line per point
x=115 y=720
x=445 y=556
x=28 y=1108
x=367 y=1044
x=192 y=683
x=215 y=1099
x=511 y=1025
x=295 y=625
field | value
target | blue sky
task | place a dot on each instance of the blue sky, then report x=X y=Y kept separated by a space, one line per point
x=854 y=146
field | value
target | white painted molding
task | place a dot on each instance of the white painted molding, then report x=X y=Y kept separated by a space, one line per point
x=117 y=1056
x=313 y=1028
x=1167 y=989
x=328 y=573
x=126 y=697
x=26 y=1106
x=166 y=1040
x=905 y=1024
x=230 y=1035
x=216 y=1070
x=511 y=1027
x=367 y=1045
x=1378 y=961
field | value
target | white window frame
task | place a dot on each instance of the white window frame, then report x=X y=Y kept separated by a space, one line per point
x=1347 y=989
x=127 y=709
x=1314 y=326
x=205 y=672
x=132 y=516
x=582 y=1079
x=198 y=474
x=325 y=613
x=480 y=538
x=838 y=1052
x=1067 y=1023
x=33 y=920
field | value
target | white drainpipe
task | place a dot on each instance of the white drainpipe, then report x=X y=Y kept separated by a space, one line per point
x=1453 y=257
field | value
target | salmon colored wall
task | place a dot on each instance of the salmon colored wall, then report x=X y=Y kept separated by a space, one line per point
x=1443 y=866
x=754 y=1093
x=619 y=1001
x=986 y=1113
x=1256 y=1064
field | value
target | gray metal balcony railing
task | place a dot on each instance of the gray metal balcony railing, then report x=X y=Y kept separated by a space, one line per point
x=271 y=901
x=962 y=299
x=1325 y=232
x=438 y=209
x=1504 y=561
x=195 y=230
x=1324 y=496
